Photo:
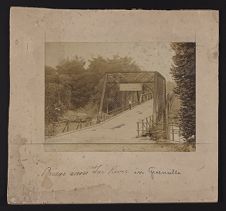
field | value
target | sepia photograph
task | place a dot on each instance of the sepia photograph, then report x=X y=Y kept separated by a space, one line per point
x=113 y=106
x=136 y=96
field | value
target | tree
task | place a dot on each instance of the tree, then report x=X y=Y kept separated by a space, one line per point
x=114 y=64
x=183 y=72
x=173 y=102
x=71 y=86
x=99 y=66
x=71 y=66
x=71 y=73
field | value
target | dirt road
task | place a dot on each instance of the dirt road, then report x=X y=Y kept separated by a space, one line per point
x=119 y=129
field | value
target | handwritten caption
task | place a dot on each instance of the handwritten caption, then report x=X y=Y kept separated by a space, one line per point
x=113 y=170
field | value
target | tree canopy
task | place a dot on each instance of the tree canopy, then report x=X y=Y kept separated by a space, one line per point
x=71 y=85
x=183 y=72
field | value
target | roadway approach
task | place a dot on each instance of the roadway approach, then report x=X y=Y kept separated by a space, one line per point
x=121 y=128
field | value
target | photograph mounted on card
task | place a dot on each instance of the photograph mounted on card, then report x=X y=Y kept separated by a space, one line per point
x=124 y=96
x=113 y=106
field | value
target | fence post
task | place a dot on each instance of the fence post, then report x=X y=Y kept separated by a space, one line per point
x=142 y=126
x=147 y=125
x=102 y=94
x=173 y=133
x=152 y=120
x=53 y=129
x=68 y=126
x=138 y=130
x=179 y=134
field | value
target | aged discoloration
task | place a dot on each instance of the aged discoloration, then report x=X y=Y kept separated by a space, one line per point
x=27 y=155
x=213 y=54
x=16 y=174
x=47 y=183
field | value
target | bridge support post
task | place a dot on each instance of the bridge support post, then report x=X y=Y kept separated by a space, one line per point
x=99 y=116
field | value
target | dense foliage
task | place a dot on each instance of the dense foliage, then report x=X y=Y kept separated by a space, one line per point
x=71 y=86
x=183 y=72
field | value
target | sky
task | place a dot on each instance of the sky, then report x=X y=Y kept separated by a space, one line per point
x=150 y=56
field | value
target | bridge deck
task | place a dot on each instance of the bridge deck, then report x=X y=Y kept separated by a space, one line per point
x=120 y=129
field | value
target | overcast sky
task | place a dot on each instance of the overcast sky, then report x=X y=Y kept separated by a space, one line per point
x=148 y=55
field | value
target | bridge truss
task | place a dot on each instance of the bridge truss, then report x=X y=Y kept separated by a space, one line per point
x=114 y=100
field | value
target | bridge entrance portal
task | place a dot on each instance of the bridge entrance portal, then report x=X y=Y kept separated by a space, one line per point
x=120 y=89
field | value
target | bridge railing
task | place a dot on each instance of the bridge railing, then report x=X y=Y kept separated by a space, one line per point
x=144 y=126
x=114 y=112
x=105 y=116
x=155 y=130
x=65 y=126
x=123 y=108
x=174 y=132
